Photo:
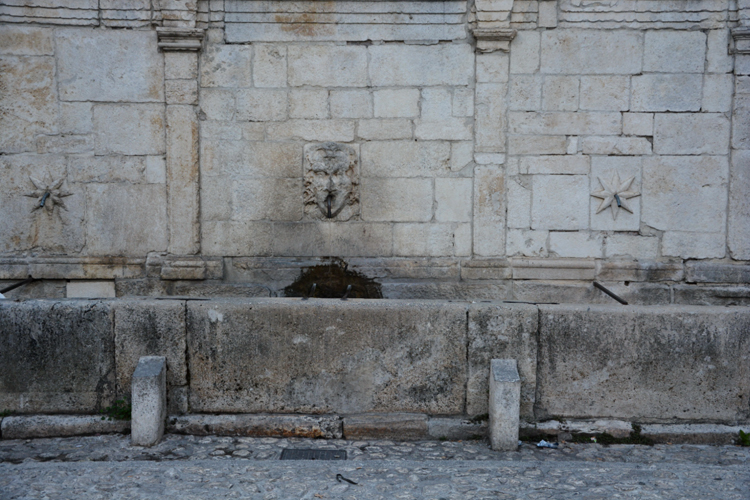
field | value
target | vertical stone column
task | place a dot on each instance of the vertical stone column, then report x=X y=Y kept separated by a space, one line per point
x=739 y=171
x=493 y=36
x=180 y=46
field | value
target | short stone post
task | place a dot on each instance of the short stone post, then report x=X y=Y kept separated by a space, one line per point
x=149 y=400
x=505 y=404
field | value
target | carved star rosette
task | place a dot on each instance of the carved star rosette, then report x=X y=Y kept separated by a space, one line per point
x=48 y=192
x=615 y=194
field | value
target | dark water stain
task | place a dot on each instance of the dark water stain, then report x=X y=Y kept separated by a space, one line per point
x=331 y=281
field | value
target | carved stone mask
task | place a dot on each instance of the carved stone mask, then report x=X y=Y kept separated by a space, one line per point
x=330 y=181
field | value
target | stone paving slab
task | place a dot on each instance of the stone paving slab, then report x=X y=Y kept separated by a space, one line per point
x=107 y=466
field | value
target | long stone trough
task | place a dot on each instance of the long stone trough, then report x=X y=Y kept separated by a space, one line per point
x=645 y=364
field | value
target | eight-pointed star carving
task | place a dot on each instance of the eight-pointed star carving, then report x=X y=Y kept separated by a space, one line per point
x=49 y=193
x=615 y=194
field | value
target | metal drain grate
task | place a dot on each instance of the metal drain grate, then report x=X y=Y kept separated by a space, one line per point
x=292 y=454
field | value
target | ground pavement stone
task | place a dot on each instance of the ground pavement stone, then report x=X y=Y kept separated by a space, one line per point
x=228 y=467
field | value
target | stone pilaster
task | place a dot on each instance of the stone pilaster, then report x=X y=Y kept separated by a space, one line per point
x=180 y=46
x=493 y=37
x=739 y=175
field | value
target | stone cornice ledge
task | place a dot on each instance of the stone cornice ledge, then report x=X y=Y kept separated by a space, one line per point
x=493 y=39
x=180 y=39
x=741 y=37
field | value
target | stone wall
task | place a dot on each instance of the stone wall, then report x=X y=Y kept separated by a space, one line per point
x=670 y=364
x=173 y=145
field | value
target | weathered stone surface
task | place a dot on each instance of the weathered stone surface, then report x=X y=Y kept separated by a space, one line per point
x=637 y=271
x=122 y=220
x=576 y=244
x=181 y=91
x=664 y=364
x=250 y=159
x=560 y=93
x=386 y=128
x=455 y=429
x=47 y=426
x=399 y=426
x=553 y=269
x=308 y=103
x=684 y=193
x=327 y=66
x=259 y=105
x=180 y=66
x=580 y=123
x=666 y=92
x=129 y=129
x=557 y=164
x=710 y=272
x=589 y=51
x=739 y=206
x=489 y=211
x=392 y=65
x=149 y=328
x=230 y=238
x=226 y=66
x=694 y=134
x=269 y=65
x=717 y=93
x=501 y=331
x=638 y=123
x=109 y=65
x=394 y=199
x=434 y=240
x=28 y=102
x=57 y=356
x=326 y=356
x=605 y=93
x=404 y=159
x=26 y=41
x=313 y=130
x=490 y=124
x=303 y=426
x=525 y=92
x=559 y=202
x=453 y=198
x=712 y=295
x=674 y=51
x=396 y=103
x=524 y=54
x=635 y=246
x=526 y=243
x=90 y=289
x=694 y=245
x=351 y=103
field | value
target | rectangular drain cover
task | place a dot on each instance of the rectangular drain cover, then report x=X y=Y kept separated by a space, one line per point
x=291 y=454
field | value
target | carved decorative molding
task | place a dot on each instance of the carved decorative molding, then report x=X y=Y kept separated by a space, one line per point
x=493 y=39
x=741 y=37
x=180 y=39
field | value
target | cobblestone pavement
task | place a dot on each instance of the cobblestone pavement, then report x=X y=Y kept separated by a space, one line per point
x=107 y=467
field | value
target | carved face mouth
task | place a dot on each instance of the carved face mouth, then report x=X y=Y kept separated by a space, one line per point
x=331 y=192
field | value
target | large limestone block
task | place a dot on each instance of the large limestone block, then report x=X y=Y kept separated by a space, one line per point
x=591 y=52
x=663 y=363
x=741 y=122
x=109 y=65
x=525 y=52
x=433 y=240
x=674 y=51
x=565 y=123
x=327 y=66
x=685 y=193
x=664 y=92
x=240 y=238
x=396 y=199
x=506 y=331
x=490 y=117
x=560 y=202
x=405 y=158
x=694 y=245
x=26 y=41
x=266 y=199
x=149 y=328
x=226 y=66
x=126 y=219
x=182 y=175
x=28 y=101
x=58 y=231
x=57 y=356
x=415 y=64
x=694 y=134
x=326 y=356
x=238 y=159
x=739 y=206
x=129 y=129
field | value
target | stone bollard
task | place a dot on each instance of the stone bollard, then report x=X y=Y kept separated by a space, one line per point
x=505 y=404
x=149 y=401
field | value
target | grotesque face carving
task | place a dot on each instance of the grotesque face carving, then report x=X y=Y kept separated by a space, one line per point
x=330 y=181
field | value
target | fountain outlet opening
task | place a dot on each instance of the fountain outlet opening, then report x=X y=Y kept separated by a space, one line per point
x=333 y=280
